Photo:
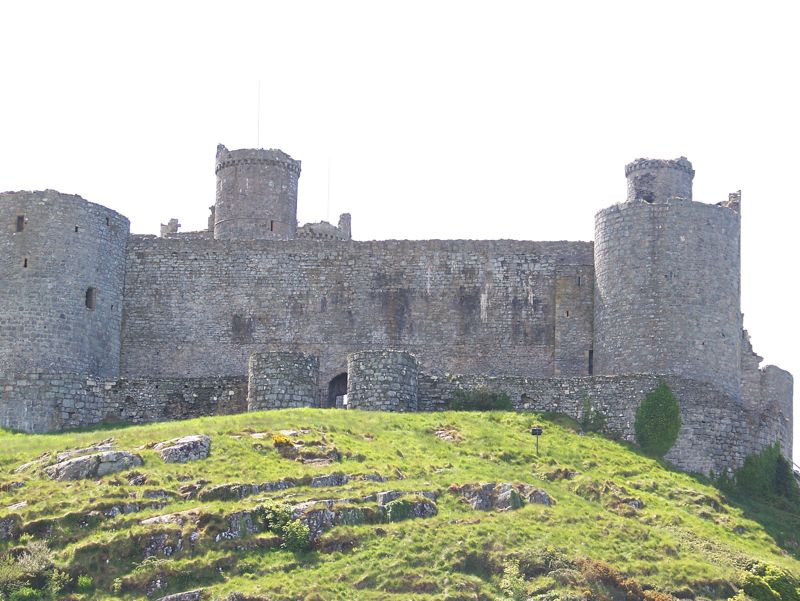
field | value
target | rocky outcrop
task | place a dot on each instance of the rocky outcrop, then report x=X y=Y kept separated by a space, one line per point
x=501 y=496
x=184 y=449
x=10 y=527
x=95 y=465
x=194 y=595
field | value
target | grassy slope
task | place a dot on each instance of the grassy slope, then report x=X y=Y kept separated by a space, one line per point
x=686 y=537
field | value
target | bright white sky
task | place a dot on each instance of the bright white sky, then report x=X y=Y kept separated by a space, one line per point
x=434 y=119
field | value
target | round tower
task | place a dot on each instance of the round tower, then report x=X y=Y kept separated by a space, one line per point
x=656 y=180
x=256 y=195
x=62 y=267
x=667 y=276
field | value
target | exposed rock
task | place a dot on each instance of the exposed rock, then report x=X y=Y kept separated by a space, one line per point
x=10 y=527
x=406 y=508
x=194 y=595
x=448 y=434
x=137 y=479
x=93 y=466
x=501 y=496
x=180 y=518
x=7 y=486
x=184 y=449
x=329 y=480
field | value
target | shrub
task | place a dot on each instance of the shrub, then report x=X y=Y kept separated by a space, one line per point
x=296 y=537
x=658 y=420
x=275 y=516
x=513 y=583
x=592 y=420
x=767 y=475
x=85 y=583
x=279 y=440
x=25 y=593
x=479 y=399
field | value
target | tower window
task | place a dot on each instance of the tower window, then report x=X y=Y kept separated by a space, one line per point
x=579 y=281
x=76 y=229
x=108 y=221
x=20 y=223
x=91 y=297
x=25 y=262
x=271 y=226
x=591 y=362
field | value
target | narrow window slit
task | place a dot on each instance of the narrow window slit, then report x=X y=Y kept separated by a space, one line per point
x=20 y=223
x=91 y=297
x=25 y=262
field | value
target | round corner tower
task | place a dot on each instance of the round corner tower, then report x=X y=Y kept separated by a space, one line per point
x=667 y=277
x=62 y=263
x=256 y=194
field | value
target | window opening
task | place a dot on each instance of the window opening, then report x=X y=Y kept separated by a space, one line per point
x=91 y=297
x=20 y=223
x=108 y=221
x=579 y=281
x=271 y=226
x=25 y=262
x=567 y=313
x=76 y=229
x=591 y=362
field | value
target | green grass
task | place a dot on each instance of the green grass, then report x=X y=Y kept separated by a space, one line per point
x=687 y=536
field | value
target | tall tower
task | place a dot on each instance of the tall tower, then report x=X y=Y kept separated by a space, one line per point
x=256 y=195
x=62 y=267
x=667 y=274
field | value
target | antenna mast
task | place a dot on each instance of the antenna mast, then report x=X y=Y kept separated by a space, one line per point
x=258 y=117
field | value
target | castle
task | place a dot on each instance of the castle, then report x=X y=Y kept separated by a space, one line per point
x=97 y=324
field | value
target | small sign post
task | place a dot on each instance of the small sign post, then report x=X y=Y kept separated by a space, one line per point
x=537 y=432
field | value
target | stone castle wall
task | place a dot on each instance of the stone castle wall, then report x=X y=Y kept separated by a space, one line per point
x=65 y=247
x=256 y=195
x=667 y=291
x=195 y=307
x=383 y=380
x=280 y=380
x=46 y=401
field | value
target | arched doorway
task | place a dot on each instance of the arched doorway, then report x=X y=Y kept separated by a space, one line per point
x=337 y=387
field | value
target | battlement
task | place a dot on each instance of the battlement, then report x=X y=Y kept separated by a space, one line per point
x=681 y=164
x=255 y=156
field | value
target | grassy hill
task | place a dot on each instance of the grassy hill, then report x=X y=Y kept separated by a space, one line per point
x=398 y=516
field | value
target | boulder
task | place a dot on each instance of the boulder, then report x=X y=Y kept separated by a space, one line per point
x=502 y=496
x=93 y=466
x=184 y=449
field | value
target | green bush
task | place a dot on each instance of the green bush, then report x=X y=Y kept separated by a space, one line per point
x=767 y=475
x=480 y=399
x=592 y=420
x=658 y=420
x=25 y=593
x=275 y=516
x=768 y=583
x=296 y=537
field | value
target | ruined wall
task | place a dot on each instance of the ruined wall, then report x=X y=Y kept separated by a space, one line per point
x=45 y=401
x=384 y=380
x=280 y=380
x=667 y=291
x=197 y=308
x=67 y=245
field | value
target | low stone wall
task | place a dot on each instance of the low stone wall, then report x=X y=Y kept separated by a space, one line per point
x=281 y=380
x=383 y=381
x=717 y=432
x=45 y=401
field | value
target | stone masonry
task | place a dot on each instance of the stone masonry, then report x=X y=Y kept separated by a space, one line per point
x=255 y=312
x=383 y=380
